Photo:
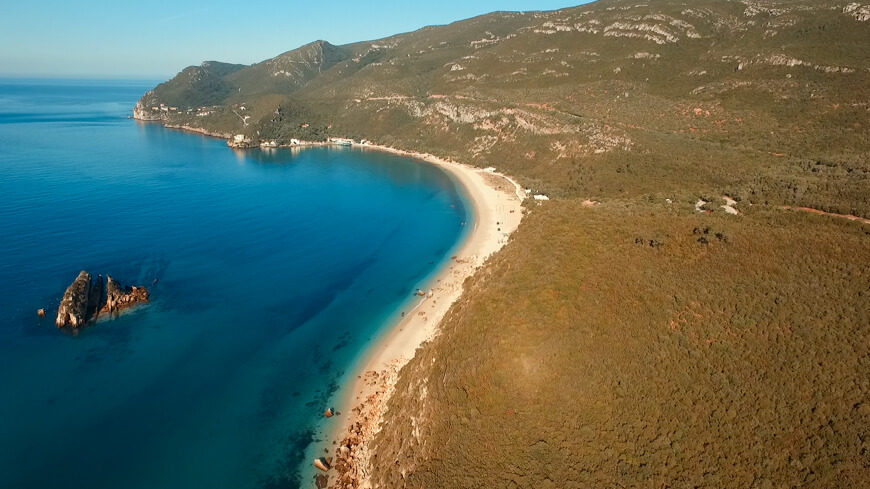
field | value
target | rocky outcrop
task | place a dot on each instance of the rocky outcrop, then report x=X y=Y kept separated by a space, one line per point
x=142 y=113
x=74 y=305
x=119 y=298
x=860 y=12
x=86 y=299
x=240 y=141
x=352 y=460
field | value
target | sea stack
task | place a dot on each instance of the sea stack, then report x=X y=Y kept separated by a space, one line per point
x=85 y=299
x=74 y=306
x=118 y=298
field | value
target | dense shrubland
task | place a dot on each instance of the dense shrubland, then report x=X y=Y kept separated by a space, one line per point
x=638 y=345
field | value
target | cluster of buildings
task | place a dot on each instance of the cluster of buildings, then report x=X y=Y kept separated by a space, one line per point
x=163 y=108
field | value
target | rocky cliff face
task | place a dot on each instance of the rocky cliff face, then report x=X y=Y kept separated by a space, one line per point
x=74 y=306
x=141 y=113
x=119 y=298
x=240 y=141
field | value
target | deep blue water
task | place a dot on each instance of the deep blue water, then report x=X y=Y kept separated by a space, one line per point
x=275 y=270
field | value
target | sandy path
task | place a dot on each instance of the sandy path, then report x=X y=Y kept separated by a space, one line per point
x=823 y=213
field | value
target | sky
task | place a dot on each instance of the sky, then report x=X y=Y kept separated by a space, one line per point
x=155 y=39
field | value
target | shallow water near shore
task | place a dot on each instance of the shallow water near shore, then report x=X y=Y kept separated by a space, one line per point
x=275 y=271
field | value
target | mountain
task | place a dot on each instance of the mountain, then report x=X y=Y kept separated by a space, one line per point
x=638 y=342
x=767 y=97
x=205 y=84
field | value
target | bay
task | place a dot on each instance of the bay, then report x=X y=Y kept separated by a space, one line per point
x=275 y=271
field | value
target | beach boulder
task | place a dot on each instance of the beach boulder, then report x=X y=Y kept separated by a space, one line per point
x=322 y=464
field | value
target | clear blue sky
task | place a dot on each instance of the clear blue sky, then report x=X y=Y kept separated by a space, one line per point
x=157 y=38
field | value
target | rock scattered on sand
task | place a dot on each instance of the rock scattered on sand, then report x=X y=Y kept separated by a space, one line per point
x=321 y=481
x=352 y=456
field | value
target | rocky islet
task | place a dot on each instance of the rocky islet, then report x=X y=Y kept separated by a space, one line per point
x=86 y=298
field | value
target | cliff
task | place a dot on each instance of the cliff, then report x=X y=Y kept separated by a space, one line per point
x=143 y=114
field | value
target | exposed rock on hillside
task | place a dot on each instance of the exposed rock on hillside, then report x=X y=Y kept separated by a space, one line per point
x=858 y=11
x=143 y=114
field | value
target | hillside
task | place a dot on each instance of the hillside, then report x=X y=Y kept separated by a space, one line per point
x=764 y=100
x=651 y=340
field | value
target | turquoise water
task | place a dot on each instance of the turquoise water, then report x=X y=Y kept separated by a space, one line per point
x=276 y=270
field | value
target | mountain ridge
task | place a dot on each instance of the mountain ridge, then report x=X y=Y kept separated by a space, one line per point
x=578 y=84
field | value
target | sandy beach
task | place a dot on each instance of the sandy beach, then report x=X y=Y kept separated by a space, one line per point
x=496 y=204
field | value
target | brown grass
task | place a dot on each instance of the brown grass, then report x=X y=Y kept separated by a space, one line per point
x=584 y=357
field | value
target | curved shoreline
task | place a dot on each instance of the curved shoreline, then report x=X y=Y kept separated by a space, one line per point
x=496 y=202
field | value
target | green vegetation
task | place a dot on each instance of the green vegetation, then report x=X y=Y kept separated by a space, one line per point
x=637 y=343
x=196 y=86
x=739 y=95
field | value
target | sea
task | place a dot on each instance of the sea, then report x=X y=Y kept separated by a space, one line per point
x=271 y=272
